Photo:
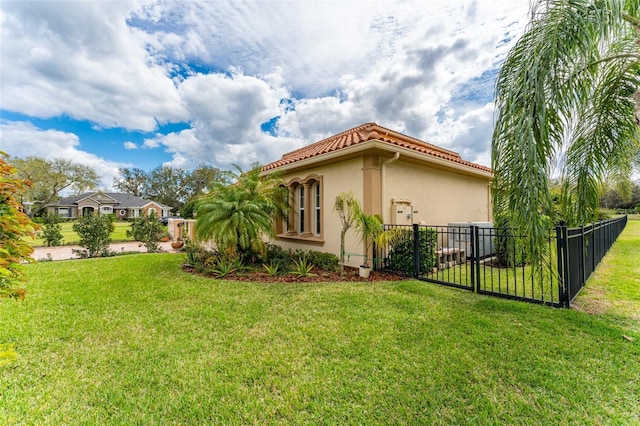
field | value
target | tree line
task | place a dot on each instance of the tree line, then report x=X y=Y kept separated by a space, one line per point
x=49 y=179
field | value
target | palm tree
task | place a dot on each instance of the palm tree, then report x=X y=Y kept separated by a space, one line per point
x=369 y=228
x=565 y=105
x=239 y=209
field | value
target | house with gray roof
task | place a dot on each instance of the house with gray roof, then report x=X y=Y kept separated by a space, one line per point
x=122 y=206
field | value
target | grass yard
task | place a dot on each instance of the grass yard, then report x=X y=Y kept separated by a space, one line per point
x=69 y=237
x=614 y=288
x=134 y=340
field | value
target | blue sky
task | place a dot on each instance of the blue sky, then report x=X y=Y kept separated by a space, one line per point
x=146 y=83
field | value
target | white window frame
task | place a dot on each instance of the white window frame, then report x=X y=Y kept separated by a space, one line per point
x=301 y=196
x=317 y=209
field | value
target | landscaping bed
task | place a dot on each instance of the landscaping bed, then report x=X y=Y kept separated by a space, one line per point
x=317 y=275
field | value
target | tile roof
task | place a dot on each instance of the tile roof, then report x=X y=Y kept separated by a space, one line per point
x=364 y=133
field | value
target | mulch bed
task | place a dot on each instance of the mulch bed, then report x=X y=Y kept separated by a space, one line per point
x=319 y=275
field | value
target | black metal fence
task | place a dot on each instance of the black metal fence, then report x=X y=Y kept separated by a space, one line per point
x=582 y=250
x=494 y=261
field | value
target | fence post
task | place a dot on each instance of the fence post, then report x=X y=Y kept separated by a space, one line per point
x=563 y=267
x=471 y=256
x=475 y=250
x=374 y=252
x=583 y=257
x=416 y=251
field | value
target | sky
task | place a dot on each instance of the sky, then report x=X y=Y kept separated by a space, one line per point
x=140 y=84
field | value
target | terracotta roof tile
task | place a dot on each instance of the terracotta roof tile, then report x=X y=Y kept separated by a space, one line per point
x=364 y=133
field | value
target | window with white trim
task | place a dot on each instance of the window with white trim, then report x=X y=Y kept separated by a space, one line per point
x=303 y=220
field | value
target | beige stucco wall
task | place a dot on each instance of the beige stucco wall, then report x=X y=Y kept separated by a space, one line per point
x=438 y=197
x=181 y=229
x=337 y=178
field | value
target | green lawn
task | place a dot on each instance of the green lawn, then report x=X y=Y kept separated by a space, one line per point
x=69 y=237
x=614 y=288
x=134 y=340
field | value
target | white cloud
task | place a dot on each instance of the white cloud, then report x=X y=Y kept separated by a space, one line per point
x=22 y=139
x=339 y=64
x=81 y=59
x=227 y=113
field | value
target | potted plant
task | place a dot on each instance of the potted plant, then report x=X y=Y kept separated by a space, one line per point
x=177 y=244
x=369 y=227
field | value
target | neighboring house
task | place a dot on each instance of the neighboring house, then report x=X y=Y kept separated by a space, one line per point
x=403 y=179
x=123 y=206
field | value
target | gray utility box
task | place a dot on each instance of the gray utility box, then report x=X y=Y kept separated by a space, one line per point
x=460 y=237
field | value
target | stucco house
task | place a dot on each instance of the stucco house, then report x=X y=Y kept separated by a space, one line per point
x=123 y=206
x=401 y=178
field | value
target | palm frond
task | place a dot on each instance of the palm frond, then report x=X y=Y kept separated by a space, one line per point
x=564 y=99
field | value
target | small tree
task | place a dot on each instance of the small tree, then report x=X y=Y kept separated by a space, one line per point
x=95 y=235
x=147 y=230
x=52 y=231
x=349 y=210
x=14 y=225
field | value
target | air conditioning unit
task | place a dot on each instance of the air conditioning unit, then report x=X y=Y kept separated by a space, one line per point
x=460 y=237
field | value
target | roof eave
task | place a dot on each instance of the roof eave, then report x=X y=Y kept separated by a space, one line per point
x=375 y=144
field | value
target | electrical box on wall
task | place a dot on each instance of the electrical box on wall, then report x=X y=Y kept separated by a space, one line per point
x=401 y=212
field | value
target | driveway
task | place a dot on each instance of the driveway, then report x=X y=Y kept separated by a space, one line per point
x=66 y=252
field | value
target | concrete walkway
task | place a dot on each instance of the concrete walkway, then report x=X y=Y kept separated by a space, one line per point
x=66 y=252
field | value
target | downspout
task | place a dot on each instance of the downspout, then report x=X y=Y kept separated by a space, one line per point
x=382 y=179
x=489 y=204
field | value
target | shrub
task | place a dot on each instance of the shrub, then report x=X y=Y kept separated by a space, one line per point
x=326 y=261
x=273 y=268
x=95 y=235
x=52 y=231
x=225 y=266
x=276 y=254
x=510 y=247
x=302 y=267
x=400 y=257
x=14 y=225
x=148 y=230
x=286 y=258
x=199 y=257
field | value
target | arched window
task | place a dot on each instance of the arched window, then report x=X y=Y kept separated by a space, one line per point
x=303 y=219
